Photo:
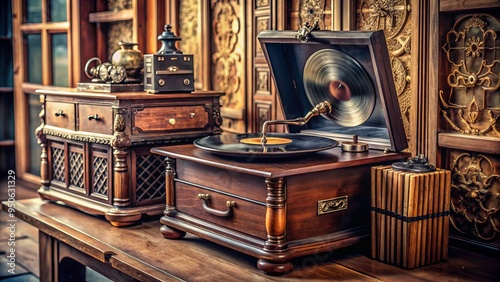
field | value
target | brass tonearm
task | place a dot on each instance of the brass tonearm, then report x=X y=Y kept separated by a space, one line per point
x=322 y=108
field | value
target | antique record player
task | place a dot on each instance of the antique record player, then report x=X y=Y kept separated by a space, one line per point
x=281 y=196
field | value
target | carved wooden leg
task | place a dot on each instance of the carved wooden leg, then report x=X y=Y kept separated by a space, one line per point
x=275 y=227
x=166 y=231
x=121 y=198
x=42 y=141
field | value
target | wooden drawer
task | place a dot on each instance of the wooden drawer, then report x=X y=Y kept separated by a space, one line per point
x=247 y=217
x=97 y=119
x=60 y=114
x=169 y=118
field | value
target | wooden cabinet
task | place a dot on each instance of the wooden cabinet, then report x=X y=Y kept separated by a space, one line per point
x=275 y=210
x=95 y=147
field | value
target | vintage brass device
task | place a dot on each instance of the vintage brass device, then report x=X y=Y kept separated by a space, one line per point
x=168 y=70
x=121 y=74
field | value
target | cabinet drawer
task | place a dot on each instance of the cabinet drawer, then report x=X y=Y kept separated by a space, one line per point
x=60 y=114
x=246 y=217
x=169 y=118
x=97 y=119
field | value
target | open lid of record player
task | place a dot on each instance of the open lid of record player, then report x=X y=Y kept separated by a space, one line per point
x=351 y=70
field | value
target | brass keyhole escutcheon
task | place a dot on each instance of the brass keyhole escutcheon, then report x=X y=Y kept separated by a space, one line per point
x=171 y=121
x=191 y=115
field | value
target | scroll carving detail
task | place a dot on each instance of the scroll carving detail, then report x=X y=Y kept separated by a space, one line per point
x=472 y=48
x=475 y=198
x=392 y=16
x=226 y=30
x=312 y=11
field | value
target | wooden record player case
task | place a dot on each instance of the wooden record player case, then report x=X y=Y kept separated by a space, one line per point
x=280 y=209
x=95 y=147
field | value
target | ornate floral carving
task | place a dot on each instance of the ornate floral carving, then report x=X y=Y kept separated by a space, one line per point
x=312 y=11
x=77 y=137
x=388 y=15
x=226 y=30
x=392 y=16
x=120 y=140
x=475 y=198
x=472 y=48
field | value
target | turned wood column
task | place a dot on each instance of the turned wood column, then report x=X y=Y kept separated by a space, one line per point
x=120 y=143
x=275 y=215
x=169 y=186
x=42 y=141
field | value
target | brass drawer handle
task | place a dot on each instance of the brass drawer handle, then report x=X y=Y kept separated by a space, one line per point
x=94 y=117
x=59 y=113
x=227 y=213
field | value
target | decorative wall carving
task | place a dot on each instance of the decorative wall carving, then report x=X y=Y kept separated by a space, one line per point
x=189 y=31
x=312 y=11
x=227 y=58
x=475 y=194
x=472 y=47
x=392 y=16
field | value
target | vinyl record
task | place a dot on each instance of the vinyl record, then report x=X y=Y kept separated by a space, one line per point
x=333 y=76
x=231 y=145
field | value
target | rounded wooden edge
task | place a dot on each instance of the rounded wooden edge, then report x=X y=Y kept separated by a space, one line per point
x=171 y=233
x=272 y=268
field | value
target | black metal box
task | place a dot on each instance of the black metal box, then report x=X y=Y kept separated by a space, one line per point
x=168 y=73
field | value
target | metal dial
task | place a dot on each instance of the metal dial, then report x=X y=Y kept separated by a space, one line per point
x=102 y=71
x=117 y=73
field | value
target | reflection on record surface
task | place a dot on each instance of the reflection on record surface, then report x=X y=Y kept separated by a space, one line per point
x=230 y=145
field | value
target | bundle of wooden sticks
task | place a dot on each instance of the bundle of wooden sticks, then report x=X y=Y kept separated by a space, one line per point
x=409 y=216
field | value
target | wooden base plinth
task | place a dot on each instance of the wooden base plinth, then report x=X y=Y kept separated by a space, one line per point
x=118 y=217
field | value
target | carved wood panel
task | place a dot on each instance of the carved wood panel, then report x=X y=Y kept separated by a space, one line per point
x=392 y=16
x=469 y=101
x=228 y=60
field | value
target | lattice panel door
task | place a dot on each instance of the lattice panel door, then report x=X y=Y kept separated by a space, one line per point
x=76 y=167
x=100 y=174
x=58 y=169
x=150 y=177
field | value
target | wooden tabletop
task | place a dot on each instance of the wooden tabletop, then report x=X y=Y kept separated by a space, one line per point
x=143 y=253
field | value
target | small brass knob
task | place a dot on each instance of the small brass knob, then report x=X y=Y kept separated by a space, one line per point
x=187 y=81
x=171 y=121
x=191 y=115
x=161 y=82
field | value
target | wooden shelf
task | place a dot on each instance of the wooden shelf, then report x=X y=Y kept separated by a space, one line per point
x=6 y=143
x=111 y=16
x=483 y=144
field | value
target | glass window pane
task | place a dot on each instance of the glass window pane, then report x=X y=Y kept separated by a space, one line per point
x=58 y=10
x=34 y=58
x=33 y=11
x=60 y=59
x=34 y=107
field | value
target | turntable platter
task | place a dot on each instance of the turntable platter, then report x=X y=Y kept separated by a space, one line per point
x=231 y=145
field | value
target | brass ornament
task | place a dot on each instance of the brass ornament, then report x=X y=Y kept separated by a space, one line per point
x=333 y=76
